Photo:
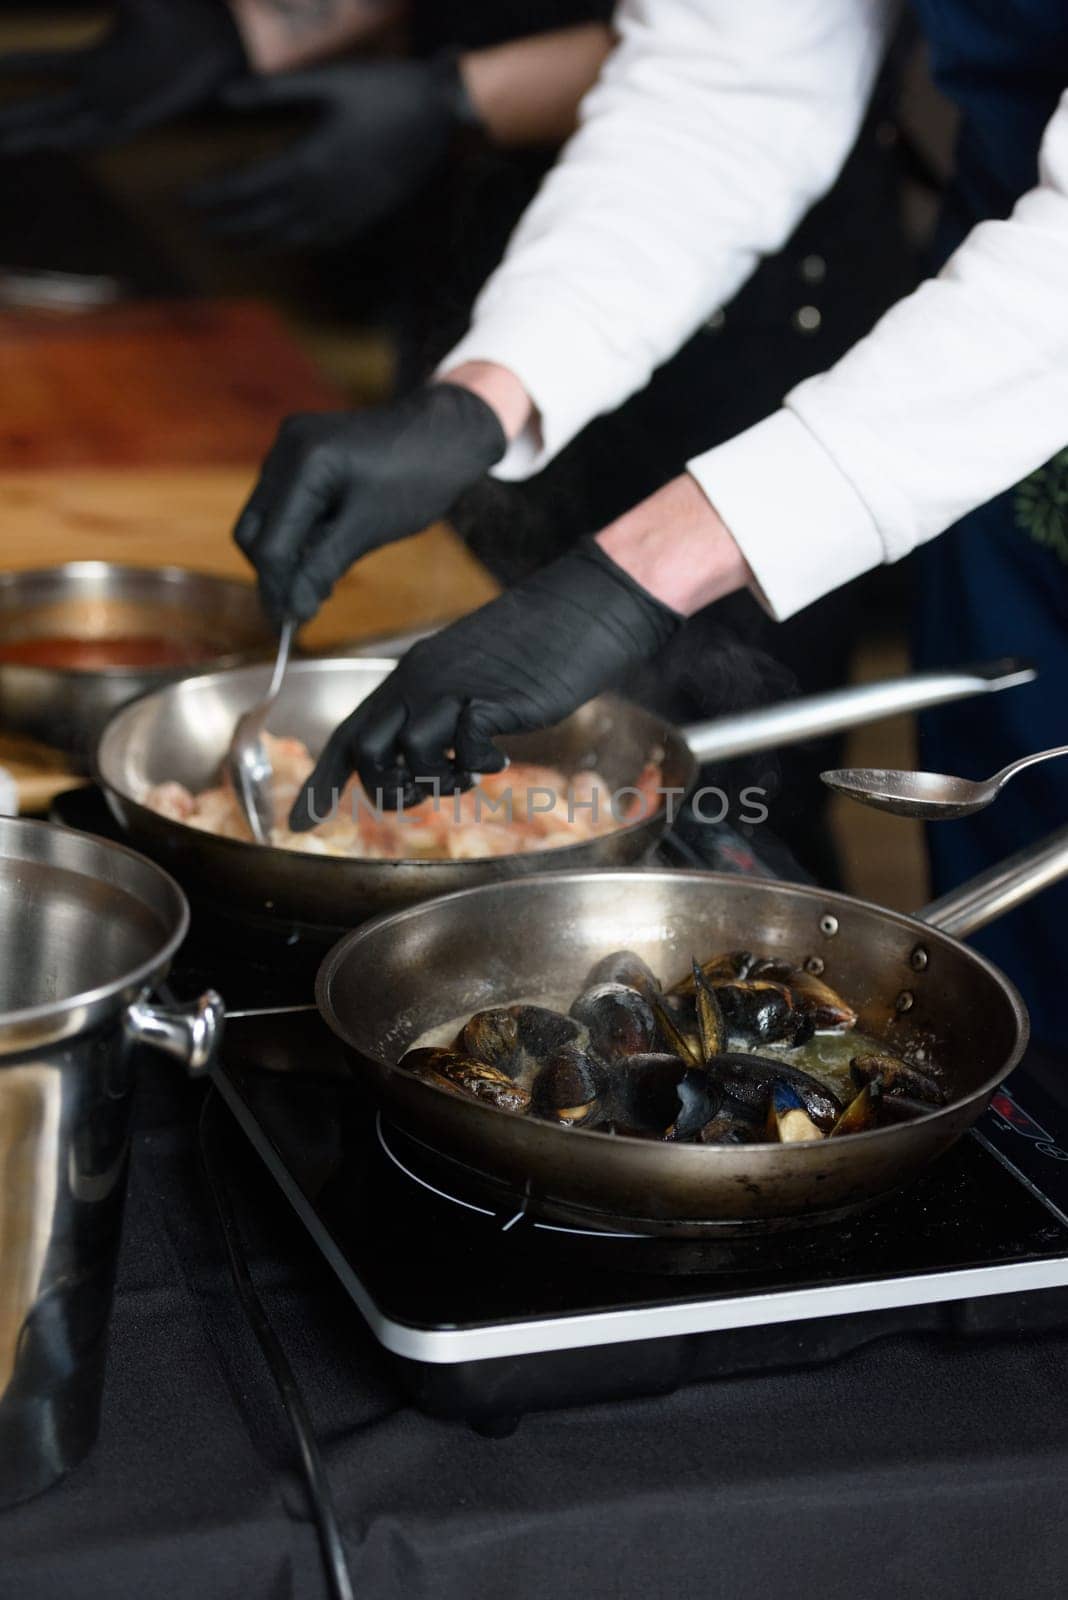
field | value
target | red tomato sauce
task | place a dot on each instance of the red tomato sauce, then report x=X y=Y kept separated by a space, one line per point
x=97 y=655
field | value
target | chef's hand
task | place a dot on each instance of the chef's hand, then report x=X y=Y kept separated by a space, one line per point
x=160 y=59
x=524 y=661
x=380 y=131
x=338 y=484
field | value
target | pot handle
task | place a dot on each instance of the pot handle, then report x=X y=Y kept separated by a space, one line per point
x=790 y=721
x=1000 y=889
x=189 y=1032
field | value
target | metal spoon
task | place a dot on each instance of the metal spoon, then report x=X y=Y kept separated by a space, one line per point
x=247 y=764
x=931 y=795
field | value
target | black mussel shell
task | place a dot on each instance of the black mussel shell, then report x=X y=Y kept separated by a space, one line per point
x=762 y=1012
x=897 y=1078
x=619 y=1019
x=476 y=1079
x=662 y=1096
x=750 y=1078
x=623 y=966
x=733 y=1123
x=568 y=1088
x=542 y=1031
x=490 y=1036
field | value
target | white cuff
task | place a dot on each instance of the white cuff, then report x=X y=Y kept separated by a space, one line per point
x=563 y=363
x=799 y=522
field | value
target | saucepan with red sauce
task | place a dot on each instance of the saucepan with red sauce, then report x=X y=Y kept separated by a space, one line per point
x=80 y=640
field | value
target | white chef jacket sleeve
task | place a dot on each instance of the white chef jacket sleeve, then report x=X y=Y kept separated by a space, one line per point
x=715 y=124
x=956 y=394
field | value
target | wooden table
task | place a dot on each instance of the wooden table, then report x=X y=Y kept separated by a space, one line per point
x=135 y=435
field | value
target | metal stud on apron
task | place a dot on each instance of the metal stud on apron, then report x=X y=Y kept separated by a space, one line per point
x=998 y=581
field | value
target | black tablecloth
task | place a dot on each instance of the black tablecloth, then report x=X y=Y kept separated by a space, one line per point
x=914 y=1466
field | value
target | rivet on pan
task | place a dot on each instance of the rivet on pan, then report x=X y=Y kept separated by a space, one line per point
x=828 y=925
x=905 y=1001
x=918 y=959
x=814 y=964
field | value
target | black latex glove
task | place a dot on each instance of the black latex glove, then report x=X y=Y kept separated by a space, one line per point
x=523 y=662
x=160 y=59
x=340 y=483
x=381 y=129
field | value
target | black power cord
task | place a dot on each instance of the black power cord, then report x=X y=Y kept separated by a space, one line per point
x=320 y=1498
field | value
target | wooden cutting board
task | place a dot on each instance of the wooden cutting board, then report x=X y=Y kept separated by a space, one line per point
x=176 y=383
x=135 y=435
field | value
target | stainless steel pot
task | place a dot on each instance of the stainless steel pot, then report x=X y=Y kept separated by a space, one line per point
x=182 y=732
x=94 y=600
x=87 y=930
x=389 y=982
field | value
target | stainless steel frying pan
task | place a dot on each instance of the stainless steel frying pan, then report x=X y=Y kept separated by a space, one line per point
x=382 y=987
x=182 y=731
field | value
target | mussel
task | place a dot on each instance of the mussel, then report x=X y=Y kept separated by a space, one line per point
x=677 y=1034
x=788 y=1119
x=623 y=966
x=750 y=1079
x=724 y=968
x=619 y=1019
x=542 y=1031
x=733 y=1123
x=861 y=1113
x=661 y=1096
x=759 y=1011
x=450 y=1070
x=568 y=1088
x=819 y=1002
x=897 y=1078
x=711 y=1023
x=491 y=1036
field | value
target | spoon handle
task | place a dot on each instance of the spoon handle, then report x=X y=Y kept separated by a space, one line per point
x=1014 y=767
x=285 y=644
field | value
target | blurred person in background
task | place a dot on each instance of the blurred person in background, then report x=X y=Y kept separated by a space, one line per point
x=453 y=140
x=711 y=131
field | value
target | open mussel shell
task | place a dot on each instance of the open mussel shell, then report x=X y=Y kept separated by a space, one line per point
x=620 y=1020
x=896 y=1077
x=724 y=968
x=861 y=1113
x=788 y=1118
x=623 y=966
x=661 y=1097
x=449 y=1070
x=711 y=1023
x=677 y=1033
x=751 y=1078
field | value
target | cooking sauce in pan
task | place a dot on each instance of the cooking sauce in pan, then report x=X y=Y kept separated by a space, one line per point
x=70 y=653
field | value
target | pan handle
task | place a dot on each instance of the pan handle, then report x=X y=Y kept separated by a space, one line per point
x=1000 y=889
x=793 y=720
x=190 y=1032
